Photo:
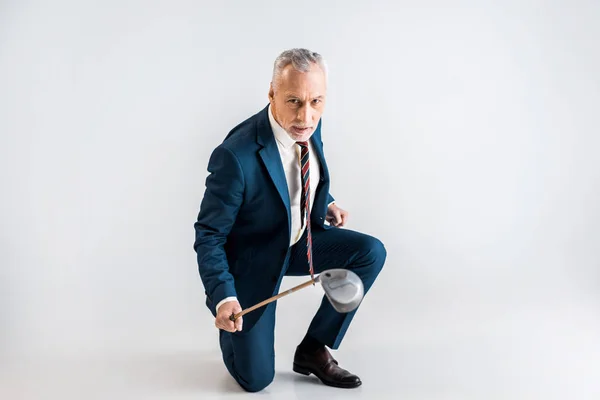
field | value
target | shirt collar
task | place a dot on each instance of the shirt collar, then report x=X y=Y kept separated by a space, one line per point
x=280 y=134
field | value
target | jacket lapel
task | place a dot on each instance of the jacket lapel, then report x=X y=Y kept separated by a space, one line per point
x=319 y=152
x=272 y=160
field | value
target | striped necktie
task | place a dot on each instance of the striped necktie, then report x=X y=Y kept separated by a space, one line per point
x=305 y=201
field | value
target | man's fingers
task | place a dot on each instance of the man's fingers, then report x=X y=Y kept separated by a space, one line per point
x=229 y=327
x=338 y=217
x=225 y=324
x=229 y=324
x=223 y=319
x=344 y=219
x=238 y=323
x=334 y=218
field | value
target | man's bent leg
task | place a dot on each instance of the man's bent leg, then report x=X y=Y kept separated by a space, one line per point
x=250 y=356
x=337 y=248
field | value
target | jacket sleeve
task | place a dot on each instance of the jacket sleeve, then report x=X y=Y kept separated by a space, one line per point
x=330 y=199
x=218 y=211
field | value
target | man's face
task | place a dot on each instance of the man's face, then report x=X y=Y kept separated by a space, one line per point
x=298 y=100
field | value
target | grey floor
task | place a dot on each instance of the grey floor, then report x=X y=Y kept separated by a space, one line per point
x=540 y=346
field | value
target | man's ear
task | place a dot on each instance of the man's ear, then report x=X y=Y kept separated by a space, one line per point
x=271 y=92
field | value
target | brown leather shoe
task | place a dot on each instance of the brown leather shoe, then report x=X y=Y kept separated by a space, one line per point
x=325 y=367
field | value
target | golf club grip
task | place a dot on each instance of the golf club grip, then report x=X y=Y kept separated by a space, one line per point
x=233 y=317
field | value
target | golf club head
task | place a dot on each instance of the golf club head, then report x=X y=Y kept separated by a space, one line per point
x=343 y=288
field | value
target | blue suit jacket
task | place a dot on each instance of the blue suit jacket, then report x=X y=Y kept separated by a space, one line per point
x=243 y=227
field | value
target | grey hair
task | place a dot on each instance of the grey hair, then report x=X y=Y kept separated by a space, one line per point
x=301 y=60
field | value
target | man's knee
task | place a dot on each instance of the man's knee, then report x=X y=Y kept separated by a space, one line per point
x=379 y=251
x=260 y=379
x=374 y=252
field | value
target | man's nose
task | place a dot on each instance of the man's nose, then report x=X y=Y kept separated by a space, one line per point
x=304 y=115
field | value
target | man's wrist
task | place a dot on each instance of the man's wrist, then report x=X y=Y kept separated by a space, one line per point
x=225 y=300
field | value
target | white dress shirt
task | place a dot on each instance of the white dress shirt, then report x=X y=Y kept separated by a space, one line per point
x=290 y=159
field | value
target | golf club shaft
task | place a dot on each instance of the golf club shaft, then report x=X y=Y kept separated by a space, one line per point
x=269 y=300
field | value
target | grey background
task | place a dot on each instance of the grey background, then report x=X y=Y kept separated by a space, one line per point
x=463 y=134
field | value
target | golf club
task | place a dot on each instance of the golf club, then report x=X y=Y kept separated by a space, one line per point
x=343 y=289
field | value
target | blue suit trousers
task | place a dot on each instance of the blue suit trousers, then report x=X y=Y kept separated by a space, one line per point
x=250 y=356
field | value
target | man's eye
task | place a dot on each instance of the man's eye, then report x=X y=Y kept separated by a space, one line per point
x=316 y=101
x=294 y=101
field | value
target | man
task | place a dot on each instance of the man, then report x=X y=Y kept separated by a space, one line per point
x=263 y=217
